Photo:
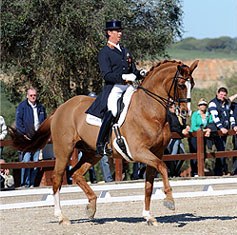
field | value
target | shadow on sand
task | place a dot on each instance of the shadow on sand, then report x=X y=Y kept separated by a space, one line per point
x=180 y=219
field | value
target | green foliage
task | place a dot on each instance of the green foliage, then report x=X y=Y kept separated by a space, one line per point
x=53 y=44
x=7 y=108
x=190 y=48
x=183 y=54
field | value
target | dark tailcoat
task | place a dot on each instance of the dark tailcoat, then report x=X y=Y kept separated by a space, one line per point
x=113 y=63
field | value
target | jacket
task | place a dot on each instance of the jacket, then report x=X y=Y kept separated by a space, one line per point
x=221 y=113
x=25 y=117
x=197 y=122
x=113 y=63
x=175 y=125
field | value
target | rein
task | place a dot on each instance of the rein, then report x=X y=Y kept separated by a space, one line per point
x=166 y=101
x=156 y=97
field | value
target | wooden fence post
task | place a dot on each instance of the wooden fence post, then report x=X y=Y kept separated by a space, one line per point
x=118 y=169
x=200 y=153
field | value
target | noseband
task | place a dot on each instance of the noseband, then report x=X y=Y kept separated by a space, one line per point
x=167 y=101
x=175 y=84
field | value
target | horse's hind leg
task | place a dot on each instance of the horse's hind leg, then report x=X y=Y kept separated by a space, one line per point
x=62 y=153
x=85 y=163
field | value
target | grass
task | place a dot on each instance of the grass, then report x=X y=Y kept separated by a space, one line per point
x=194 y=54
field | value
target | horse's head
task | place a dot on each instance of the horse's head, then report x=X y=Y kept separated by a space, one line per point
x=171 y=82
x=183 y=83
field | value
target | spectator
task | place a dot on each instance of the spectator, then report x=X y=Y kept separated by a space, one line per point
x=233 y=107
x=139 y=170
x=105 y=168
x=201 y=119
x=3 y=133
x=223 y=118
x=7 y=180
x=175 y=146
x=29 y=115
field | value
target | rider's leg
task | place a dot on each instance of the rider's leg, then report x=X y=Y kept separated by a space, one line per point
x=105 y=128
x=108 y=120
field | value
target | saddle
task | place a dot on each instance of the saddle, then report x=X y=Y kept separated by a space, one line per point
x=119 y=143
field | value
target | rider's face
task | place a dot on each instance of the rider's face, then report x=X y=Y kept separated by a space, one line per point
x=115 y=36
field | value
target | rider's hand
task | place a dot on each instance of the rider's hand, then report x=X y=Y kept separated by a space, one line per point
x=129 y=77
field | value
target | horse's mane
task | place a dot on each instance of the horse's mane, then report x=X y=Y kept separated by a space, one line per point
x=164 y=62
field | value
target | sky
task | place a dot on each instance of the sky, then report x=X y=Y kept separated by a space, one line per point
x=209 y=18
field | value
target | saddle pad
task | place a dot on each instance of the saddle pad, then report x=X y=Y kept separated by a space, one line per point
x=92 y=120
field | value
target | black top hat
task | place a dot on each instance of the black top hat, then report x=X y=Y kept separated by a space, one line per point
x=113 y=25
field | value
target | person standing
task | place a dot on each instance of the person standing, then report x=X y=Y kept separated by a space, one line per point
x=6 y=180
x=3 y=132
x=117 y=67
x=201 y=119
x=29 y=115
x=233 y=107
x=175 y=146
x=223 y=118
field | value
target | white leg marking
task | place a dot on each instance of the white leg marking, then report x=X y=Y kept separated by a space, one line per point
x=57 y=206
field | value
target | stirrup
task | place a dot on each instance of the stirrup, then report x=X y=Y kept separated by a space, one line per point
x=103 y=150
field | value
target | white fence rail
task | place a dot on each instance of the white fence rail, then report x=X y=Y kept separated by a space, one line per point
x=106 y=190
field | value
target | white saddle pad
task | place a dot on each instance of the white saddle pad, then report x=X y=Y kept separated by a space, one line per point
x=92 y=120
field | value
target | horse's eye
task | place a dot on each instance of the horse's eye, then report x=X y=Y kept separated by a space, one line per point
x=182 y=86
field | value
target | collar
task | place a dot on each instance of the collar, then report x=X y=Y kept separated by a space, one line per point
x=32 y=105
x=115 y=45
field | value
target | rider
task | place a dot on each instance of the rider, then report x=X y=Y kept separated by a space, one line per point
x=116 y=67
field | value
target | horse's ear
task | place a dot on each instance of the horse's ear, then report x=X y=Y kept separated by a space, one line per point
x=179 y=67
x=193 y=66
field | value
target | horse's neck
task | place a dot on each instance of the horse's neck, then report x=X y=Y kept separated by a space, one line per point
x=159 y=79
x=158 y=82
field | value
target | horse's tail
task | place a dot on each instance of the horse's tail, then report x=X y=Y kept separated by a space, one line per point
x=38 y=140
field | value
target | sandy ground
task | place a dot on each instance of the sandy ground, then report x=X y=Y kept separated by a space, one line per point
x=200 y=215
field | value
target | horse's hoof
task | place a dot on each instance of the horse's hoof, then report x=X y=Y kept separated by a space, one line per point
x=90 y=211
x=64 y=221
x=152 y=221
x=169 y=204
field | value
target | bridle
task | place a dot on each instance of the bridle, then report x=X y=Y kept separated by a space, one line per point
x=166 y=102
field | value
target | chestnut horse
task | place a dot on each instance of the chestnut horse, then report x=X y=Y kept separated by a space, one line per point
x=145 y=129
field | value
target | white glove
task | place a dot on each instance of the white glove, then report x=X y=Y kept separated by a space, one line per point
x=143 y=72
x=129 y=77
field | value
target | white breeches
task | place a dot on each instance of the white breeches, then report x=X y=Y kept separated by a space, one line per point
x=114 y=95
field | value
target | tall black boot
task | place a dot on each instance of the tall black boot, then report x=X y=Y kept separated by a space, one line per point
x=103 y=135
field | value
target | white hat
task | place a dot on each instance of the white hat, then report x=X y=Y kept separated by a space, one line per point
x=202 y=101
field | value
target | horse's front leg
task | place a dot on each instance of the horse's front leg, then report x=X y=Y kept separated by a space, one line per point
x=78 y=175
x=169 y=200
x=150 y=175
